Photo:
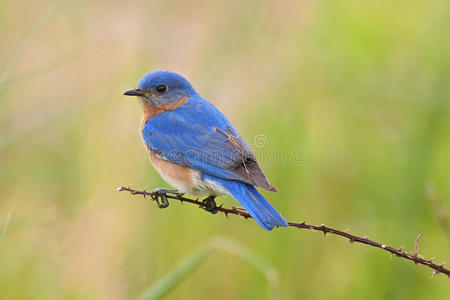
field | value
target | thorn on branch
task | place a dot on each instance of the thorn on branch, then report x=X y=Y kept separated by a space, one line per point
x=324 y=229
x=416 y=251
x=416 y=258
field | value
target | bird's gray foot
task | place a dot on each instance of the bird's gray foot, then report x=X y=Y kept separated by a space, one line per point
x=159 y=195
x=210 y=205
x=161 y=200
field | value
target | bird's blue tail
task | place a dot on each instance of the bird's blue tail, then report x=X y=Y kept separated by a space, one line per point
x=254 y=203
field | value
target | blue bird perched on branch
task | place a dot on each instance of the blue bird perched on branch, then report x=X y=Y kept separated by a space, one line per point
x=196 y=149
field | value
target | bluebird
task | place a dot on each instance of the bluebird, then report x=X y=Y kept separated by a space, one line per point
x=194 y=147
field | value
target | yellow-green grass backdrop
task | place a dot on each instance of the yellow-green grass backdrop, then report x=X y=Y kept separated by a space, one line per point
x=359 y=91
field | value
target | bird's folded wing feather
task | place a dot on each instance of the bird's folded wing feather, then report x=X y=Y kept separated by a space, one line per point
x=199 y=136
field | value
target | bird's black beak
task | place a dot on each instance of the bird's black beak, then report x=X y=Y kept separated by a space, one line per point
x=134 y=92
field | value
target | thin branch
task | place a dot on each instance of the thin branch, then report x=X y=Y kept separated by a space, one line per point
x=416 y=258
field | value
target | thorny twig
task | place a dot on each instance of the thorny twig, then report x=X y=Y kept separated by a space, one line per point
x=416 y=258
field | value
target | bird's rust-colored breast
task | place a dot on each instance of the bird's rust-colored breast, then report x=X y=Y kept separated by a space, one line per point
x=177 y=175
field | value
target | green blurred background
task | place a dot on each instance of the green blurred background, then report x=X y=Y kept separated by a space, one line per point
x=360 y=88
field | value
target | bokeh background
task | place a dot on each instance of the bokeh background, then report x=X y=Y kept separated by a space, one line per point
x=360 y=88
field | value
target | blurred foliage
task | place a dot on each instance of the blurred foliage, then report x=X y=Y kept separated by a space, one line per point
x=190 y=263
x=360 y=88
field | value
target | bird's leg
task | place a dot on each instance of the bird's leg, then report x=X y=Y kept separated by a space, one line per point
x=166 y=191
x=210 y=205
x=160 y=194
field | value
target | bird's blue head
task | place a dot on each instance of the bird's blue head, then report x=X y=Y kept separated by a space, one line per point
x=163 y=88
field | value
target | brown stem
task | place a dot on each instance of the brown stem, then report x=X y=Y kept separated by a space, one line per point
x=416 y=258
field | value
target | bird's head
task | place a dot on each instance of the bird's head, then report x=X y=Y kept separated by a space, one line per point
x=163 y=88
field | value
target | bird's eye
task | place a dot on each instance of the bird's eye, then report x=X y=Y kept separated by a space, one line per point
x=162 y=88
x=248 y=160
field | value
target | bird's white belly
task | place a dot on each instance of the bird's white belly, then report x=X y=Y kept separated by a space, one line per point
x=186 y=180
x=206 y=187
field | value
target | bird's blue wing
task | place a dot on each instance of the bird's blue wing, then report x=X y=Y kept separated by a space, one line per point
x=199 y=136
